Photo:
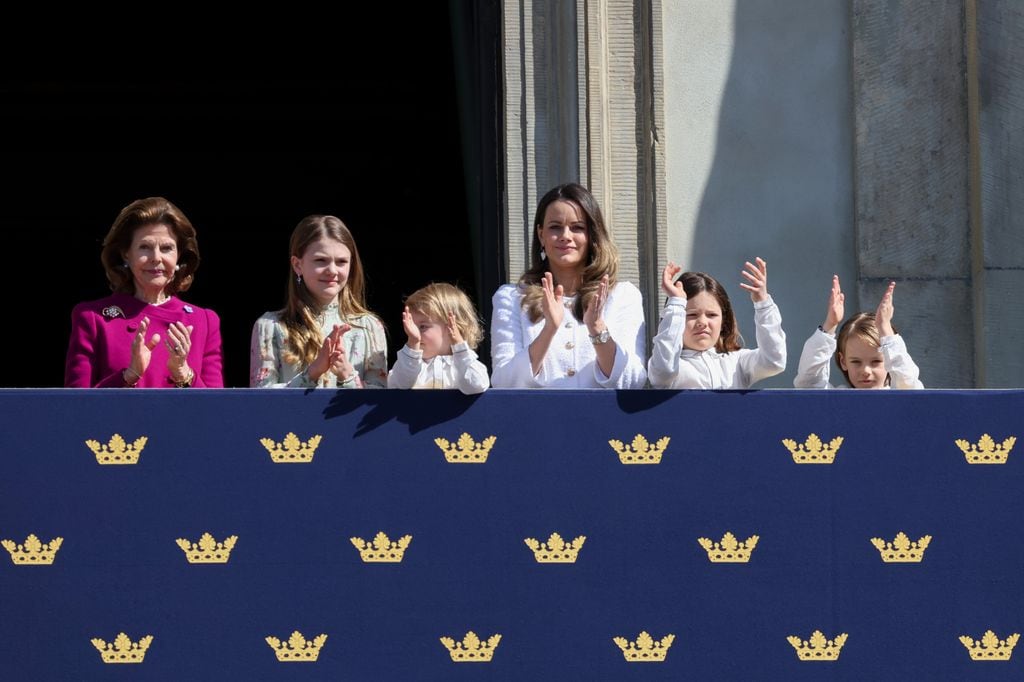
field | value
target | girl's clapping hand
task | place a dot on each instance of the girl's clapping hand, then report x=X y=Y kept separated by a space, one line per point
x=757 y=275
x=669 y=285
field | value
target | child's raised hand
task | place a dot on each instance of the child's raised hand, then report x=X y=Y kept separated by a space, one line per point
x=836 y=307
x=551 y=304
x=593 y=316
x=757 y=275
x=883 y=316
x=453 y=329
x=671 y=287
x=340 y=364
x=412 y=332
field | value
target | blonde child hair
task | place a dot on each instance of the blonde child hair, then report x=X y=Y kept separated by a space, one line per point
x=437 y=299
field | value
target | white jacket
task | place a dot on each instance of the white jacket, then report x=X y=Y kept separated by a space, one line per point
x=673 y=366
x=570 y=361
x=816 y=361
x=461 y=370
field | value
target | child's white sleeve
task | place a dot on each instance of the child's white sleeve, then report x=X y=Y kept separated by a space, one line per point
x=406 y=370
x=510 y=350
x=769 y=358
x=816 y=361
x=663 y=367
x=624 y=315
x=470 y=373
x=903 y=373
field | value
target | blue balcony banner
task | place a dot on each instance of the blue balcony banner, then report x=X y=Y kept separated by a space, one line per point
x=545 y=535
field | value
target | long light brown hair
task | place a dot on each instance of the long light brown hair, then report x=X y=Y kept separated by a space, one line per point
x=299 y=315
x=602 y=255
x=140 y=213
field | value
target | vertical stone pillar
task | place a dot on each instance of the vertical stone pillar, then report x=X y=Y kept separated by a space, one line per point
x=584 y=102
x=912 y=177
x=999 y=239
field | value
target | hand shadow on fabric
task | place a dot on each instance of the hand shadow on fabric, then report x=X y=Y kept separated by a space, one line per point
x=418 y=409
x=644 y=399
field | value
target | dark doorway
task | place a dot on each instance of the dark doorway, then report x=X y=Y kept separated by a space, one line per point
x=246 y=140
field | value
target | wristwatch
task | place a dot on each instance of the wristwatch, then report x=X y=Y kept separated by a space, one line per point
x=600 y=337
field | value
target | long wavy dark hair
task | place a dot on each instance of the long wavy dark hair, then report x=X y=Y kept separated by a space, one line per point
x=602 y=255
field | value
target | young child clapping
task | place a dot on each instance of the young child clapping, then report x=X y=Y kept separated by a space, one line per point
x=867 y=349
x=443 y=330
x=698 y=343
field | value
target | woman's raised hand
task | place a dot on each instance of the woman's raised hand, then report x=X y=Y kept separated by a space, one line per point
x=669 y=285
x=412 y=332
x=593 y=316
x=142 y=349
x=757 y=275
x=836 y=308
x=551 y=303
x=883 y=316
x=179 y=342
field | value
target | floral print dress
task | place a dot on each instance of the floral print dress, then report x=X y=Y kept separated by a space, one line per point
x=365 y=347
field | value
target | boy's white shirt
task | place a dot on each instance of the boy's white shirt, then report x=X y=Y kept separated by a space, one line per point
x=672 y=366
x=461 y=370
x=816 y=362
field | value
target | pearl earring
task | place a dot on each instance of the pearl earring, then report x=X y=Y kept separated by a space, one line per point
x=177 y=267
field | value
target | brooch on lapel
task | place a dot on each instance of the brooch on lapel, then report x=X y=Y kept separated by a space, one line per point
x=112 y=311
x=187 y=308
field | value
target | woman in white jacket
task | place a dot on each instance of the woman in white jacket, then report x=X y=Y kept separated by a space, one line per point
x=569 y=323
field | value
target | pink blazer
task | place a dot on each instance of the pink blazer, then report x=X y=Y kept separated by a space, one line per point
x=101 y=342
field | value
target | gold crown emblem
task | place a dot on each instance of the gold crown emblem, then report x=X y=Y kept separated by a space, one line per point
x=901 y=550
x=117 y=451
x=813 y=451
x=990 y=647
x=291 y=450
x=208 y=550
x=987 y=451
x=640 y=451
x=382 y=549
x=729 y=550
x=466 y=450
x=818 y=648
x=471 y=649
x=297 y=649
x=556 y=550
x=122 y=649
x=645 y=649
x=33 y=552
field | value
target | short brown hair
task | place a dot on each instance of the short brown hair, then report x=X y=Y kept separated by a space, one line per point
x=140 y=213
x=862 y=325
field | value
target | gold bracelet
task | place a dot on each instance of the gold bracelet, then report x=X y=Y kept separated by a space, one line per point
x=124 y=377
x=187 y=381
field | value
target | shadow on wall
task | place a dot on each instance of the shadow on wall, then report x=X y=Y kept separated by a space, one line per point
x=780 y=185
